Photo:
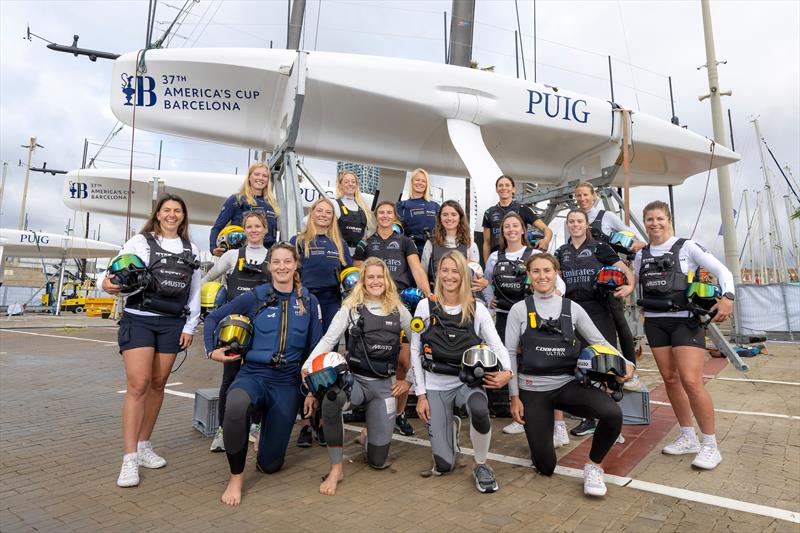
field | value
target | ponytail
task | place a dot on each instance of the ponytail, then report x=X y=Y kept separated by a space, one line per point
x=298 y=288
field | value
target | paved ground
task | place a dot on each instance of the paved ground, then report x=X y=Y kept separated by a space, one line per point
x=60 y=451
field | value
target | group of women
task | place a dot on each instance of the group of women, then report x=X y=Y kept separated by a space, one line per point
x=532 y=310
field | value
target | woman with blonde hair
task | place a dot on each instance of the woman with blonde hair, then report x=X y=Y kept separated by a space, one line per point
x=353 y=216
x=255 y=194
x=375 y=319
x=418 y=212
x=455 y=323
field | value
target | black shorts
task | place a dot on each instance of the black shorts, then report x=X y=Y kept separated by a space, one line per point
x=160 y=332
x=674 y=331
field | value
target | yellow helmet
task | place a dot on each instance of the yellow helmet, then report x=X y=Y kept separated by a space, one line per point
x=231 y=237
x=235 y=331
x=212 y=295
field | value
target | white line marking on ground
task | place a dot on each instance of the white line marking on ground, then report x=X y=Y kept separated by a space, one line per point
x=621 y=481
x=730 y=411
x=710 y=376
x=55 y=336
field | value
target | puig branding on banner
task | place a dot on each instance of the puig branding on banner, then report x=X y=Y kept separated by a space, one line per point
x=172 y=92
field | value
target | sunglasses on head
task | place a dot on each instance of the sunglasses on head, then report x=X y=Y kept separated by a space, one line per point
x=623 y=239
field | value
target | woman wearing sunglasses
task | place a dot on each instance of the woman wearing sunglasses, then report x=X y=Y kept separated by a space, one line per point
x=244 y=269
x=675 y=335
x=286 y=326
x=543 y=329
x=375 y=318
x=581 y=259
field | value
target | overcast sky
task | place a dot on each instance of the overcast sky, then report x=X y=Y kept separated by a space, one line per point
x=62 y=100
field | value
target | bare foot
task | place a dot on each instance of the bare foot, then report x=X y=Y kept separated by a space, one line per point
x=362 y=437
x=233 y=493
x=331 y=481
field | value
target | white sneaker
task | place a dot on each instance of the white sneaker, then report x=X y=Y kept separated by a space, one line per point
x=560 y=436
x=149 y=459
x=218 y=444
x=682 y=445
x=593 y=484
x=514 y=428
x=634 y=384
x=707 y=458
x=255 y=430
x=129 y=473
x=620 y=439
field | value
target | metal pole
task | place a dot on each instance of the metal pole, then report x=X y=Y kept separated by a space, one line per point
x=792 y=233
x=749 y=231
x=534 y=42
x=672 y=205
x=626 y=168
x=85 y=152
x=776 y=243
x=761 y=240
x=295 y=28
x=674 y=118
x=31 y=147
x=3 y=185
x=730 y=127
x=723 y=174
x=461 y=26
x=611 y=78
x=521 y=48
x=446 y=55
x=516 y=52
x=160 y=146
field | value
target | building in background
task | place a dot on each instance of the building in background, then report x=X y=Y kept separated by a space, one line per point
x=369 y=177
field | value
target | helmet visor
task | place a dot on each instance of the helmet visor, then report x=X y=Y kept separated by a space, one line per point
x=611 y=277
x=125 y=262
x=321 y=379
x=349 y=277
x=397 y=227
x=534 y=237
x=479 y=355
x=609 y=364
x=702 y=290
x=237 y=331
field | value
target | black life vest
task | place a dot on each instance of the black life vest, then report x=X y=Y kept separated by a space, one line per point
x=246 y=276
x=437 y=251
x=390 y=250
x=579 y=269
x=445 y=340
x=596 y=228
x=661 y=280
x=374 y=343
x=170 y=281
x=546 y=352
x=509 y=279
x=352 y=224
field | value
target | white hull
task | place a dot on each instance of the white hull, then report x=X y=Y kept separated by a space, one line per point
x=18 y=243
x=400 y=114
x=106 y=191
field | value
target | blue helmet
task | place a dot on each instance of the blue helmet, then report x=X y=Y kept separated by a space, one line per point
x=411 y=296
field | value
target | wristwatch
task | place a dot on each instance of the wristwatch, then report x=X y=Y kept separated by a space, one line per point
x=729 y=296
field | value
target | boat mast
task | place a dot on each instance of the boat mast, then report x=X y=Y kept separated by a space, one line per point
x=762 y=248
x=749 y=236
x=723 y=174
x=776 y=244
x=792 y=234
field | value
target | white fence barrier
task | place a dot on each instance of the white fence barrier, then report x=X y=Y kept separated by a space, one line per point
x=770 y=308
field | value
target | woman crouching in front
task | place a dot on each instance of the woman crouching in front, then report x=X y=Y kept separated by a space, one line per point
x=455 y=323
x=286 y=325
x=543 y=328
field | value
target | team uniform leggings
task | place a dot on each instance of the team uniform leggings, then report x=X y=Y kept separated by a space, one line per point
x=376 y=395
x=278 y=404
x=229 y=371
x=585 y=401
x=443 y=425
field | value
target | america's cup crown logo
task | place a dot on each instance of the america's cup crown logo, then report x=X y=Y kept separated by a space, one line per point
x=142 y=87
x=78 y=190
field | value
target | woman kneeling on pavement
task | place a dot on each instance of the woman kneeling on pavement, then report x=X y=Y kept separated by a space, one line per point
x=543 y=327
x=286 y=325
x=455 y=323
x=375 y=318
